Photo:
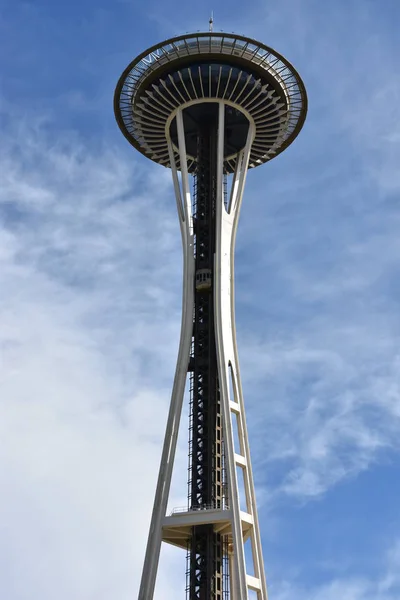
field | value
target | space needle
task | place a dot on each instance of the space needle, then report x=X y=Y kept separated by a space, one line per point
x=209 y=106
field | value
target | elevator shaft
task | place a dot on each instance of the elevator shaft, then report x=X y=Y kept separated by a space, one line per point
x=206 y=460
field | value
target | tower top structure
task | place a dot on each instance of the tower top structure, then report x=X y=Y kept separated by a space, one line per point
x=256 y=83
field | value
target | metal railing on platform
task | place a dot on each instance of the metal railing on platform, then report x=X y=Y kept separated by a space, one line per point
x=184 y=509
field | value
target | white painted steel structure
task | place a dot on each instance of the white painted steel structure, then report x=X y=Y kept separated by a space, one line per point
x=153 y=95
x=231 y=521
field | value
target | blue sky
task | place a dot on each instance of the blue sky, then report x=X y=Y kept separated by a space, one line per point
x=90 y=288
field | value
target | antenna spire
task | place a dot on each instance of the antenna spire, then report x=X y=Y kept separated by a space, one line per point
x=211 y=21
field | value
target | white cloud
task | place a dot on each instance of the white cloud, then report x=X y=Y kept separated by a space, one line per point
x=329 y=398
x=89 y=327
x=382 y=587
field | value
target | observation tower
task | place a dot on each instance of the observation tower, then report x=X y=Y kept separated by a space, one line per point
x=209 y=106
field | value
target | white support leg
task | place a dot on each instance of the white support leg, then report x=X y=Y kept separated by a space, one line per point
x=233 y=595
x=256 y=546
x=227 y=221
x=147 y=585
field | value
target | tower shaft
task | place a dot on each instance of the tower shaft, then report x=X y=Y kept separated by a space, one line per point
x=213 y=529
x=208 y=106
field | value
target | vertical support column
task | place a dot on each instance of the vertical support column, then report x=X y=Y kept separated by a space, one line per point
x=149 y=574
x=224 y=353
x=227 y=221
x=256 y=546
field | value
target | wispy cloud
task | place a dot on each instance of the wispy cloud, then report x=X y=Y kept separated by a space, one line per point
x=90 y=313
x=384 y=587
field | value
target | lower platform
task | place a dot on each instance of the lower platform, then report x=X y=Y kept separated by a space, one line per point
x=177 y=528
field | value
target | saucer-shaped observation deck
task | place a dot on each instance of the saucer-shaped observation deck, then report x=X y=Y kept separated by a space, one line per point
x=191 y=72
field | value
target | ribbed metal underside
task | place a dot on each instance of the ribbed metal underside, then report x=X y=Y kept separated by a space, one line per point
x=211 y=81
x=203 y=68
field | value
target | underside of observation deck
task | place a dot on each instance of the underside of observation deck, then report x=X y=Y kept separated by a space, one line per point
x=255 y=81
